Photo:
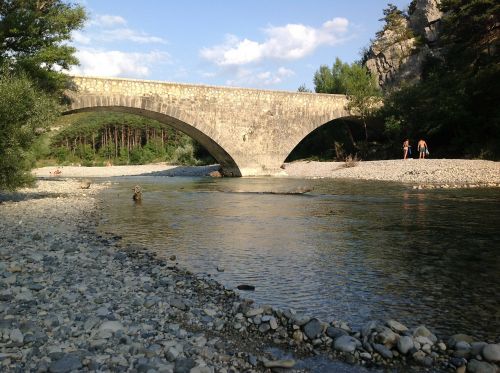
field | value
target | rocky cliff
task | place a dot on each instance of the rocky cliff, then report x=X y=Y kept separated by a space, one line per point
x=397 y=54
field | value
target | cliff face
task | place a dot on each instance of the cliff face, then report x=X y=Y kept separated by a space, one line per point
x=398 y=56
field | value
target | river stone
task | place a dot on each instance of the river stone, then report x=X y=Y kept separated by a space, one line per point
x=477 y=348
x=273 y=323
x=476 y=366
x=387 y=337
x=462 y=345
x=288 y=364
x=178 y=303
x=112 y=326
x=201 y=370
x=313 y=329
x=367 y=329
x=301 y=320
x=491 y=352
x=254 y=312
x=405 y=344
x=172 y=354
x=16 y=336
x=335 y=333
x=264 y=327
x=422 y=331
x=183 y=365
x=459 y=337
x=298 y=336
x=396 y=326
x=346 y=344
x=65 y=364
x=383 y=351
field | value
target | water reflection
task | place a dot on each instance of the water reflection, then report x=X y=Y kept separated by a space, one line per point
x=348 y=251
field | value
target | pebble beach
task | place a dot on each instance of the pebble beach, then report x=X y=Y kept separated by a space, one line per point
x=426 y=173
x=74 y=301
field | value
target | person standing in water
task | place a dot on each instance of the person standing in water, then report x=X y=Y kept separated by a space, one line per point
x=422 y=148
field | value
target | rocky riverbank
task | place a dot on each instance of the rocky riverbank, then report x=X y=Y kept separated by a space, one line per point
x=73 y=301
x=420 y=174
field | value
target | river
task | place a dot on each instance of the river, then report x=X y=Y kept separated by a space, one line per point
x=348 y=250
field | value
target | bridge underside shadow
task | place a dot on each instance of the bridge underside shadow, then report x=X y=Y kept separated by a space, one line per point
x=227 y=163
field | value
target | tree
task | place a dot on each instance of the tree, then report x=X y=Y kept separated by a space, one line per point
x=455 y=105
x=33 y=36
x=25 y=111
x=328 y=80
x=363 y=93
x=303 y=88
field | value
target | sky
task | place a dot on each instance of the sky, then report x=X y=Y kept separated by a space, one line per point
x=265 y=44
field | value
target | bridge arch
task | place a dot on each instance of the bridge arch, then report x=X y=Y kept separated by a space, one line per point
x=248 y=131
x=227 y=163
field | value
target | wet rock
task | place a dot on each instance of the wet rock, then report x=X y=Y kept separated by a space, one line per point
x=387 y=337
x=405 y=344
x=396 y=326
x=476 y=366
x=254 y=312
x=491 y=353
x=368 y=328
x=246 y=287
x=335 y=333
x=459 y=337
x=383 y=351
x=346 y=343
x=477 y=348
x=298 y=336
x=313 y=329
x=422 y=331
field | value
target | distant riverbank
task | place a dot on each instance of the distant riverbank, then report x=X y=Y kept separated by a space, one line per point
x=428 y=173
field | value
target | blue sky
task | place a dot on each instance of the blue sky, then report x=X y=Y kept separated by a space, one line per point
x=271 y=44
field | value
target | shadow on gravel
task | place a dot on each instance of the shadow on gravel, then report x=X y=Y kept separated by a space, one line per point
x=19 y=197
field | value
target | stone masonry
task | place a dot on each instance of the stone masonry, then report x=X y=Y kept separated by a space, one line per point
x=248 y=131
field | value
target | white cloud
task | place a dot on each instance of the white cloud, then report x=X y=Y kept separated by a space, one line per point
x=289 y=42
x=130 y=35
x=80 y=38
x=116 y=63
x=110 y=28
x=106 y=20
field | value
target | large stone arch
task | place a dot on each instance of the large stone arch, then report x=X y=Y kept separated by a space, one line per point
x=249 y=131
x=227 y=163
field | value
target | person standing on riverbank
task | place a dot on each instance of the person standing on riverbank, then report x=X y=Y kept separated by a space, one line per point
x=406 y=149
x=422 y=148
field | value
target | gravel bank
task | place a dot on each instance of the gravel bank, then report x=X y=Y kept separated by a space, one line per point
x=428 y=173
x=423 y=173
x=72 y=301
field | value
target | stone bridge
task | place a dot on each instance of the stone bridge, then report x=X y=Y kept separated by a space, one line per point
x=248 y=131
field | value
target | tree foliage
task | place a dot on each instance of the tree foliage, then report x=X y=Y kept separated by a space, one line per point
x=98 y=138
x=353 y=80
x=33 y=36
x=25 y=112
x=455 y=105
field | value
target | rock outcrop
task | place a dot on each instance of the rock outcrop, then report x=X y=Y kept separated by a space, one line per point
x=398 y=55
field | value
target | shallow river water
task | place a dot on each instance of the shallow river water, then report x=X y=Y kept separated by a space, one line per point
x=348 y=250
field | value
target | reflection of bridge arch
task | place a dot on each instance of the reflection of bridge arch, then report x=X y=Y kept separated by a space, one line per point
x=248 y=131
